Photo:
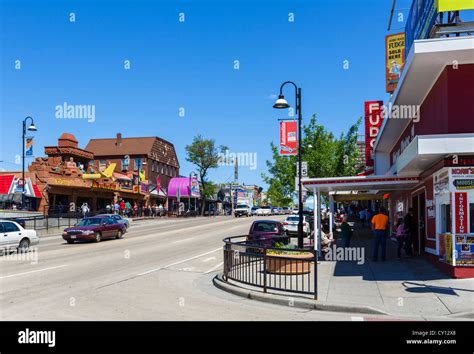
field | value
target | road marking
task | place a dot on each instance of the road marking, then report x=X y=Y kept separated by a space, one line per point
x=182 y=261
x=357 y=318
x=208 y=259
x=214 y=268
x=33 y=271
x=184 y=240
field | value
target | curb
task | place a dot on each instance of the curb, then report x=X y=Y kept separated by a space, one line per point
x=291 y=301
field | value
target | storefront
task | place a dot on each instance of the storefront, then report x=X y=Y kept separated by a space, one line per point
x=11 y=190
x=183 y=194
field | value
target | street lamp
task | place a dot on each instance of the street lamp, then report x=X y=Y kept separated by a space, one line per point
x=282 y=103
x=191 y=174
x=31 y=128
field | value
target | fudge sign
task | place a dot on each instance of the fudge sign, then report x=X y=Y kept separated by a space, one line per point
x=373 y=121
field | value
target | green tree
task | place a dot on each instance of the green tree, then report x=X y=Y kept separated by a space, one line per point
x=205 y=155
x=327 y=156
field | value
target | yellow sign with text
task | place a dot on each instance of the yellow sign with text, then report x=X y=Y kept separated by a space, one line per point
x=455 y=5
x=394 y=59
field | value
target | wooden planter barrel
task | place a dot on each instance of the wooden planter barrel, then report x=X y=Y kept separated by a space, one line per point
x=288 y=264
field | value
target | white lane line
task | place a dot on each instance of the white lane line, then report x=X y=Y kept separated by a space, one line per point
x=184 y=240
x=357 y=318
x=33 y=271
x=214 y=268
x=208 y=259
x=182 y=261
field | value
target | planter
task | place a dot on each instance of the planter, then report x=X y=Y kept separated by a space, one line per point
x=288 y=264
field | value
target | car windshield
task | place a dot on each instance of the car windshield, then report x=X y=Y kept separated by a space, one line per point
x=242 y=206
x=255 y=208
x=266 y=207
x=265 y=227
x=90 y=221
x=292 y=218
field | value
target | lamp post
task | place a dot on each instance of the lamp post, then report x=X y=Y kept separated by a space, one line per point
x=31 y=128
x=191 y=174
x=282 y=103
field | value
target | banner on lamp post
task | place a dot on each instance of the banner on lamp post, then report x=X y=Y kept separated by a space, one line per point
x=288 y=138
x=29 y=146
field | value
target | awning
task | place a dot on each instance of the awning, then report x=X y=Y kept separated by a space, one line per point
x=158 y=194
x=9 y=185
x=121 y=176
x=360 y=184
x=181 y=186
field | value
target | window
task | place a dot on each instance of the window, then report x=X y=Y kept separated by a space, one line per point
x=10 y=227
x=162 y=168
x=153 y=166
x=136 y=162
x=471 y=218
x=166 y=170
x=445 y=218
x=102 y=165
x=125 y=163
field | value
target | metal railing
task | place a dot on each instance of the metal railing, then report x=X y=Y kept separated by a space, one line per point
x=270 y=268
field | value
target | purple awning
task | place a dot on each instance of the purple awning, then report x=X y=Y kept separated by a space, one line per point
x=182 y=183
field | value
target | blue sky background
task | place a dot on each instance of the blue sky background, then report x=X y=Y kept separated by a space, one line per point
x=188 y=65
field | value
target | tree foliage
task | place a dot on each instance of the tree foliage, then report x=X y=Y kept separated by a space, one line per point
x=204 y=153
x=327 y=156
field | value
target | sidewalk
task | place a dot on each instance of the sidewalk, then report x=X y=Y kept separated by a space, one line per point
x=406 y=287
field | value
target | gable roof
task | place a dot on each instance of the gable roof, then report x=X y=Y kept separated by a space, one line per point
x=165 y=151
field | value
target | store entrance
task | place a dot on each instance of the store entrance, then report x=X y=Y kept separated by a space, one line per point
x=418 y=205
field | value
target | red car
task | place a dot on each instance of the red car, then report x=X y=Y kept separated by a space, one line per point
x=267 y=232
x=94 y=229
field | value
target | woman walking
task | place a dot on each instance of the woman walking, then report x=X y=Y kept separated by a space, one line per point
x=400 y=236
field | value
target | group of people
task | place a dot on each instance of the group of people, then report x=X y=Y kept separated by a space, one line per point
x=125 y=208
x=380 y=225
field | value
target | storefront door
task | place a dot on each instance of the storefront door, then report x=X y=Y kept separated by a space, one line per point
x=418 y=205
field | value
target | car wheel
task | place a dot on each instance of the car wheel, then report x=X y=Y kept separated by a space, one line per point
x=70 y=241
x=98 y=237
x=119 y=234
x=24 y=245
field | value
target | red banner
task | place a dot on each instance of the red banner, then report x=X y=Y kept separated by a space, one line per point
x=373 y=121
x=460 y=213
x=288 y=138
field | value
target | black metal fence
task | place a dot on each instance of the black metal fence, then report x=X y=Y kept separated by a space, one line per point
x=270 y=268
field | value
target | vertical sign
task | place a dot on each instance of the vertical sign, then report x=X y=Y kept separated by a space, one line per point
x=29 y=147
x=373 y=121
x=288 y=138
x=394 y=59
x=460 y=212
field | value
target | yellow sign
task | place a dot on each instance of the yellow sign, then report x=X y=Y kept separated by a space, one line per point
x=455 y=5
x=394 y=59
x=448 y=239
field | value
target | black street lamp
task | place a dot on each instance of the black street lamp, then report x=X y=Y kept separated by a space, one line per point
x=282 y=103
x=31 y=128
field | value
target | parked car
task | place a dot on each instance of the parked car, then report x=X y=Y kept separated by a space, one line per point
x=267 y=232
x=118 y=218
x=14 y=236
x=242 y=210
x=294 y=211
x=264 y=210
x=253 y=210
x=291 y=225
x=274 y=211
x=94 y=228
x=286 y=210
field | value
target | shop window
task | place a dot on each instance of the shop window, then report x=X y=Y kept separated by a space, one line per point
x=445 y=218
x=471 y=218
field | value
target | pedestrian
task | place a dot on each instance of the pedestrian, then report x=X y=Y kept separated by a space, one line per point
x=109 y=208
x=368 y=216
x=409 y=229
x=135 y=208
x=122 y=207
x=84 y=209
x=400 y=236
x=379 y=227
x=117 y=208
x=128 y=208
x=346 y=232
x=362 y=216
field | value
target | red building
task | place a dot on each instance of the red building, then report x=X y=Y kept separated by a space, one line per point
x=424 y=158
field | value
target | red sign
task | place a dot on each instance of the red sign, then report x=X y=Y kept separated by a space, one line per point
x=460 y=213
x=288 y=138
x=373 y=121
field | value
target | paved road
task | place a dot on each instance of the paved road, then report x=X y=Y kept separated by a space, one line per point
x=161 y=270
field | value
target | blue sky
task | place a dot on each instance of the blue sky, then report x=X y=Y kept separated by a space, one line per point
x=187 y=64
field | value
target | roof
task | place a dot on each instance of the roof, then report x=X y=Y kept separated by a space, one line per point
x=134 y=146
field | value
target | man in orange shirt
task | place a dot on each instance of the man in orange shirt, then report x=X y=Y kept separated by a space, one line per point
x=380 y=228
